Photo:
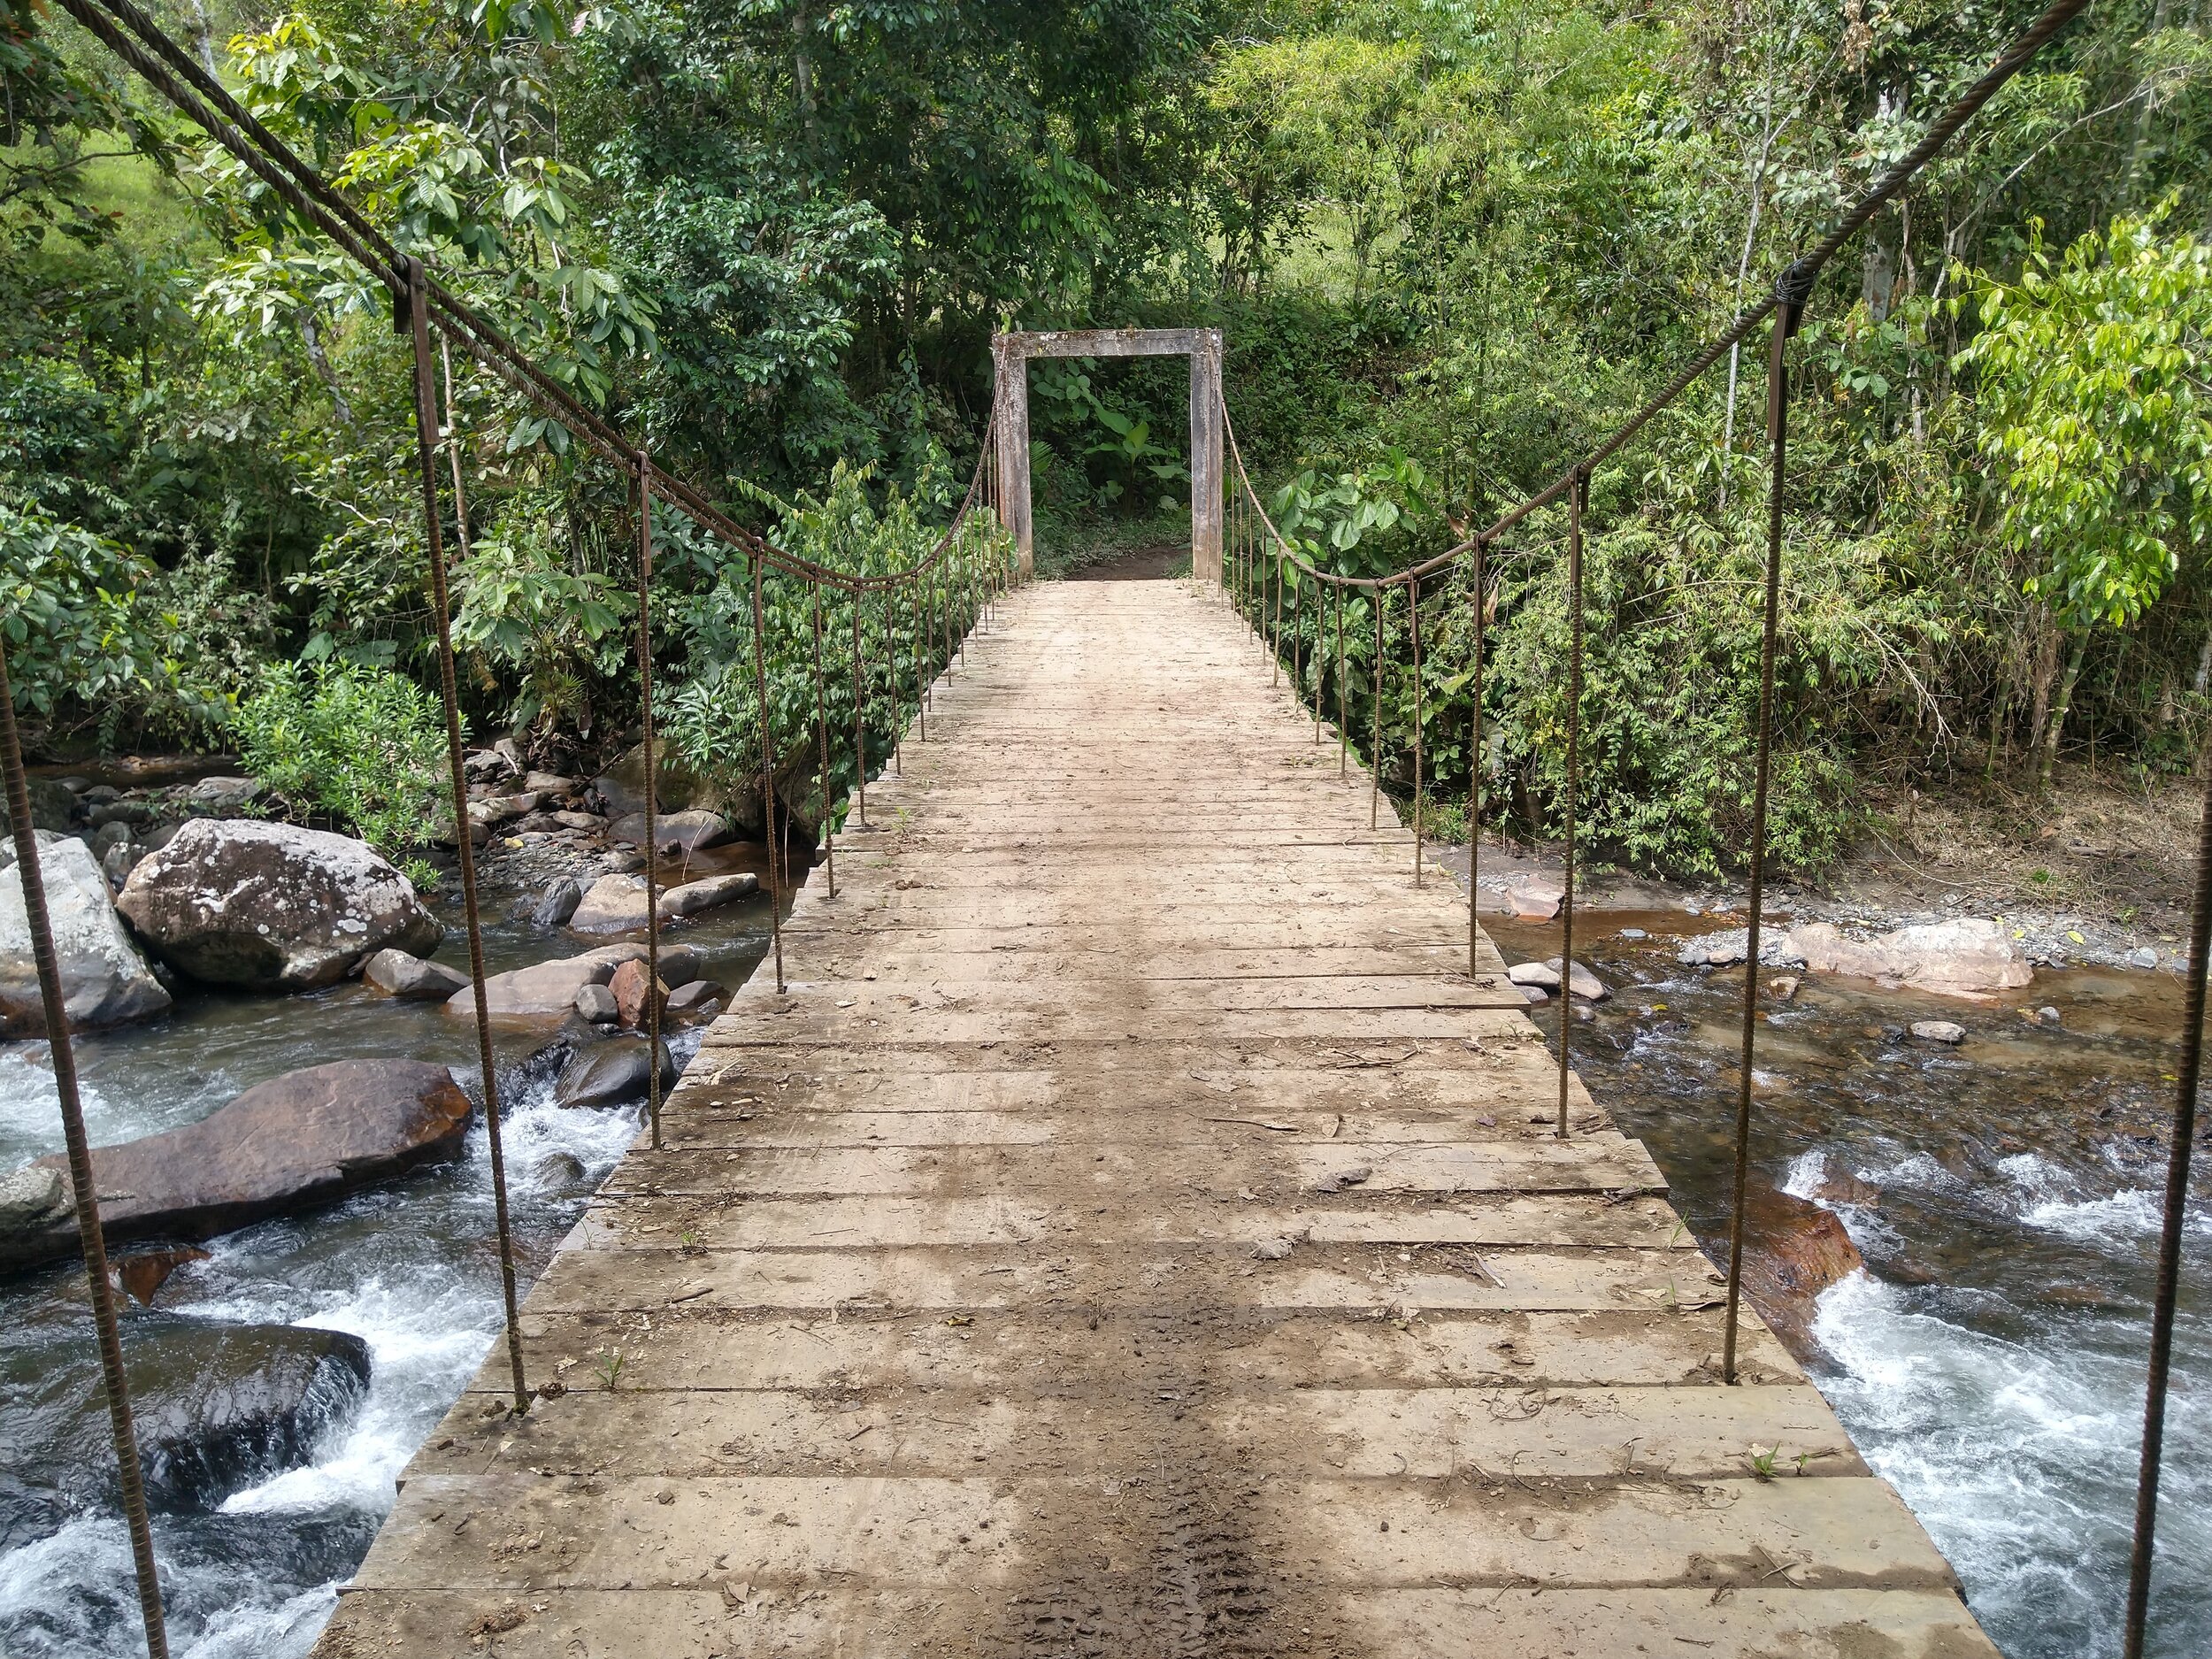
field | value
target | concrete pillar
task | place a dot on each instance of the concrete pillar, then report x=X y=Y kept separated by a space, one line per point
x=1206 y=475
x=1013 y=455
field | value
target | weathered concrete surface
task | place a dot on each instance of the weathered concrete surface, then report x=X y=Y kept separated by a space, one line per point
x=1134 y=1234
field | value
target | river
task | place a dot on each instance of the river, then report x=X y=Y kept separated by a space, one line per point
x=1989 y=1362
x=2005 y=1195
x=411 y=1268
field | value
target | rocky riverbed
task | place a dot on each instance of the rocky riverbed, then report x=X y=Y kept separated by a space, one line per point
x=296 y=1184
x=1955 y=1206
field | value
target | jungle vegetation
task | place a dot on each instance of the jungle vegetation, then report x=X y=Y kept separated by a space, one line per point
x=1450 y=241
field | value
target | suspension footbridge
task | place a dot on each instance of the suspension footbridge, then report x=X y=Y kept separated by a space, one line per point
x=1132 y=1230
x=1129 y=1212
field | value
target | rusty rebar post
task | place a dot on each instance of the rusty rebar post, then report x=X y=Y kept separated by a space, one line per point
x=860 y=711
x=2168 y=1287
x=1413 y=614
x=821 y=732
x=1791 y=293
x=1313 y=658
x=1374 y=752
x=418 y=315
x=1343 y=737
x=767 y=771
x=1275 y=637
x=83 y=1187
x=1474 y=770
x=652 y=794
x=1577 y=499
x=921 y=661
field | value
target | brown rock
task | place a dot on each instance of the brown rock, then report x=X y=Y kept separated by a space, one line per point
x=629 y=987
x=1793 y=1250
x=143 y=1272
x=294 y=1142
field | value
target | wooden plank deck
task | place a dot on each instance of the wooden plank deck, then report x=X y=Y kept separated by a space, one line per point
x=1134 y=1235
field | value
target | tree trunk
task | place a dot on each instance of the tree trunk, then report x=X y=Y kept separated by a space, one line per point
x=1996 y=733
x=2064 y=701
x=310 y=334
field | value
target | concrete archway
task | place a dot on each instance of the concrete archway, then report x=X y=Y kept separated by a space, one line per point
x=1201 y=346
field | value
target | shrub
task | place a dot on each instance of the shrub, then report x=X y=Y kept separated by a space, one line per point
x=363 y=747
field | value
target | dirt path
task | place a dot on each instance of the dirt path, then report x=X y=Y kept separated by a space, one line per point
x=1134 y=1234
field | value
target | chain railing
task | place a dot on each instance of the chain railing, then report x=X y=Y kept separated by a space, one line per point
x=1264 y=570
x=948 y=591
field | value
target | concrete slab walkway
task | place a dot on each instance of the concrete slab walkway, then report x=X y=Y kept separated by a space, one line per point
x=1134 y=1234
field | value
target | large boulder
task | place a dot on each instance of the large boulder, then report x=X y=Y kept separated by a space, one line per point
x=616 y=903
x=610 y=1073
x=104 y=981
x=272 y=906
x=676 y=788
x=1970 y=957
x=297 y=1140
x=217 y=1406
x=544 y=992
x=684 y=832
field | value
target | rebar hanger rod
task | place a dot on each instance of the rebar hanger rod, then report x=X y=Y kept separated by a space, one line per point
x=652 y=793
x=1793 y=290
x=416 y=316
x=84 y=1189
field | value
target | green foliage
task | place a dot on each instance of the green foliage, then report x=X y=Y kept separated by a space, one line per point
x=711 y=717
x=70 y=611
x=2093 y=403
x=362 y=747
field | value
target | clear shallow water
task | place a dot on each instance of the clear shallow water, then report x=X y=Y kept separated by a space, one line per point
x=411 y=1268
x=2007 y=1197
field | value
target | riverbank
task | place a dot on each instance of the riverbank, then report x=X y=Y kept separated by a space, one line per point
x=2004 y=1191
x=2094 y=874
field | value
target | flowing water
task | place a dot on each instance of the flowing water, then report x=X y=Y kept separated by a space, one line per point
x=2006 y=1194
x=252 y=1573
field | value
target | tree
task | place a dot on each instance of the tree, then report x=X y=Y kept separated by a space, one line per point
x=2093 y=404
